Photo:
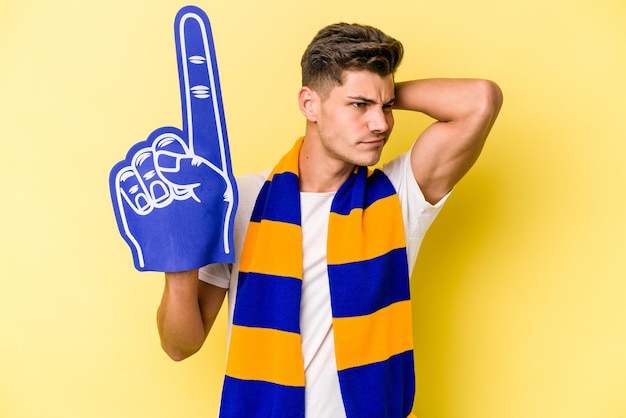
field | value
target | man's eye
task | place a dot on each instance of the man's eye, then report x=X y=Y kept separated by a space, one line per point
x=359 y=105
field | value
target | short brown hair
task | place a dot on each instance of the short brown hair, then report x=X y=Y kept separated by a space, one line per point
x=342 y=46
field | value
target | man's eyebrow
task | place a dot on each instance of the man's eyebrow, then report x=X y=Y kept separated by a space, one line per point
x=371 y=101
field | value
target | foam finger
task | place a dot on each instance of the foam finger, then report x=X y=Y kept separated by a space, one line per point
x=132 y=192
x=157 y=192
x=203 y=119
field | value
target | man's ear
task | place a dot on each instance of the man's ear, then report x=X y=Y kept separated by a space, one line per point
x=308 y=100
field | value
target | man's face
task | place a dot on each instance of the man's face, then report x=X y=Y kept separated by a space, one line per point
x=355 y=120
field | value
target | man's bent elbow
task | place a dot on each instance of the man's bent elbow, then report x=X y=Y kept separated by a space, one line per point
x=492 y=97
x=178 y=353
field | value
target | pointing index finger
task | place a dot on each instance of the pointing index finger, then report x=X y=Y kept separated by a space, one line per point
x=201 y=98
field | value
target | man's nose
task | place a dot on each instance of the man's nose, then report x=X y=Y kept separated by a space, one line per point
x=379 y=121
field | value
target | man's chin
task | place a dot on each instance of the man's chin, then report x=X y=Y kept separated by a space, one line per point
x=368 y=162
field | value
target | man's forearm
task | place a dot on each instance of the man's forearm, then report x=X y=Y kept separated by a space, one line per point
x=447 y=99
x=179 y=316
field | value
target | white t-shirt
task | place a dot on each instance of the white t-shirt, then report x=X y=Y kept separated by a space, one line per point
x=322 y=393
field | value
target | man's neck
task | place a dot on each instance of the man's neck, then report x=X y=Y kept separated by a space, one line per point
x=318 y=172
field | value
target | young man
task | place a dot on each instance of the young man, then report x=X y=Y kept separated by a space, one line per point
x=319 y=310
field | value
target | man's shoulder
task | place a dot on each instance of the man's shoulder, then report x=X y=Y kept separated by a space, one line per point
x=251 y=182
x=399 y=169
x=248 y=188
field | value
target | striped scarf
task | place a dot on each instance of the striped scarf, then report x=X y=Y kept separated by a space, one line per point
x=369 y=287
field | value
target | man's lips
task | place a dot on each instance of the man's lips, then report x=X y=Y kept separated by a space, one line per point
x=374 y=141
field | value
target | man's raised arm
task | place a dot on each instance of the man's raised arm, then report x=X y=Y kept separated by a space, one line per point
x=187 y=312
x=464 y=110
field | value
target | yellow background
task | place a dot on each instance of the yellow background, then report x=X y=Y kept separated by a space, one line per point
x=520 y=286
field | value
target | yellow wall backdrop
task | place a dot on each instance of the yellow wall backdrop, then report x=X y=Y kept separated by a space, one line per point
x=520 y=288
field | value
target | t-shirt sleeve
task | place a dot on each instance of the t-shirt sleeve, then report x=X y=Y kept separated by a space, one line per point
x=216 y=274
x=418 y=214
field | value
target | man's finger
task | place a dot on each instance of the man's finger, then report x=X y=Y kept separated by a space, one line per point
x=203 y=120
